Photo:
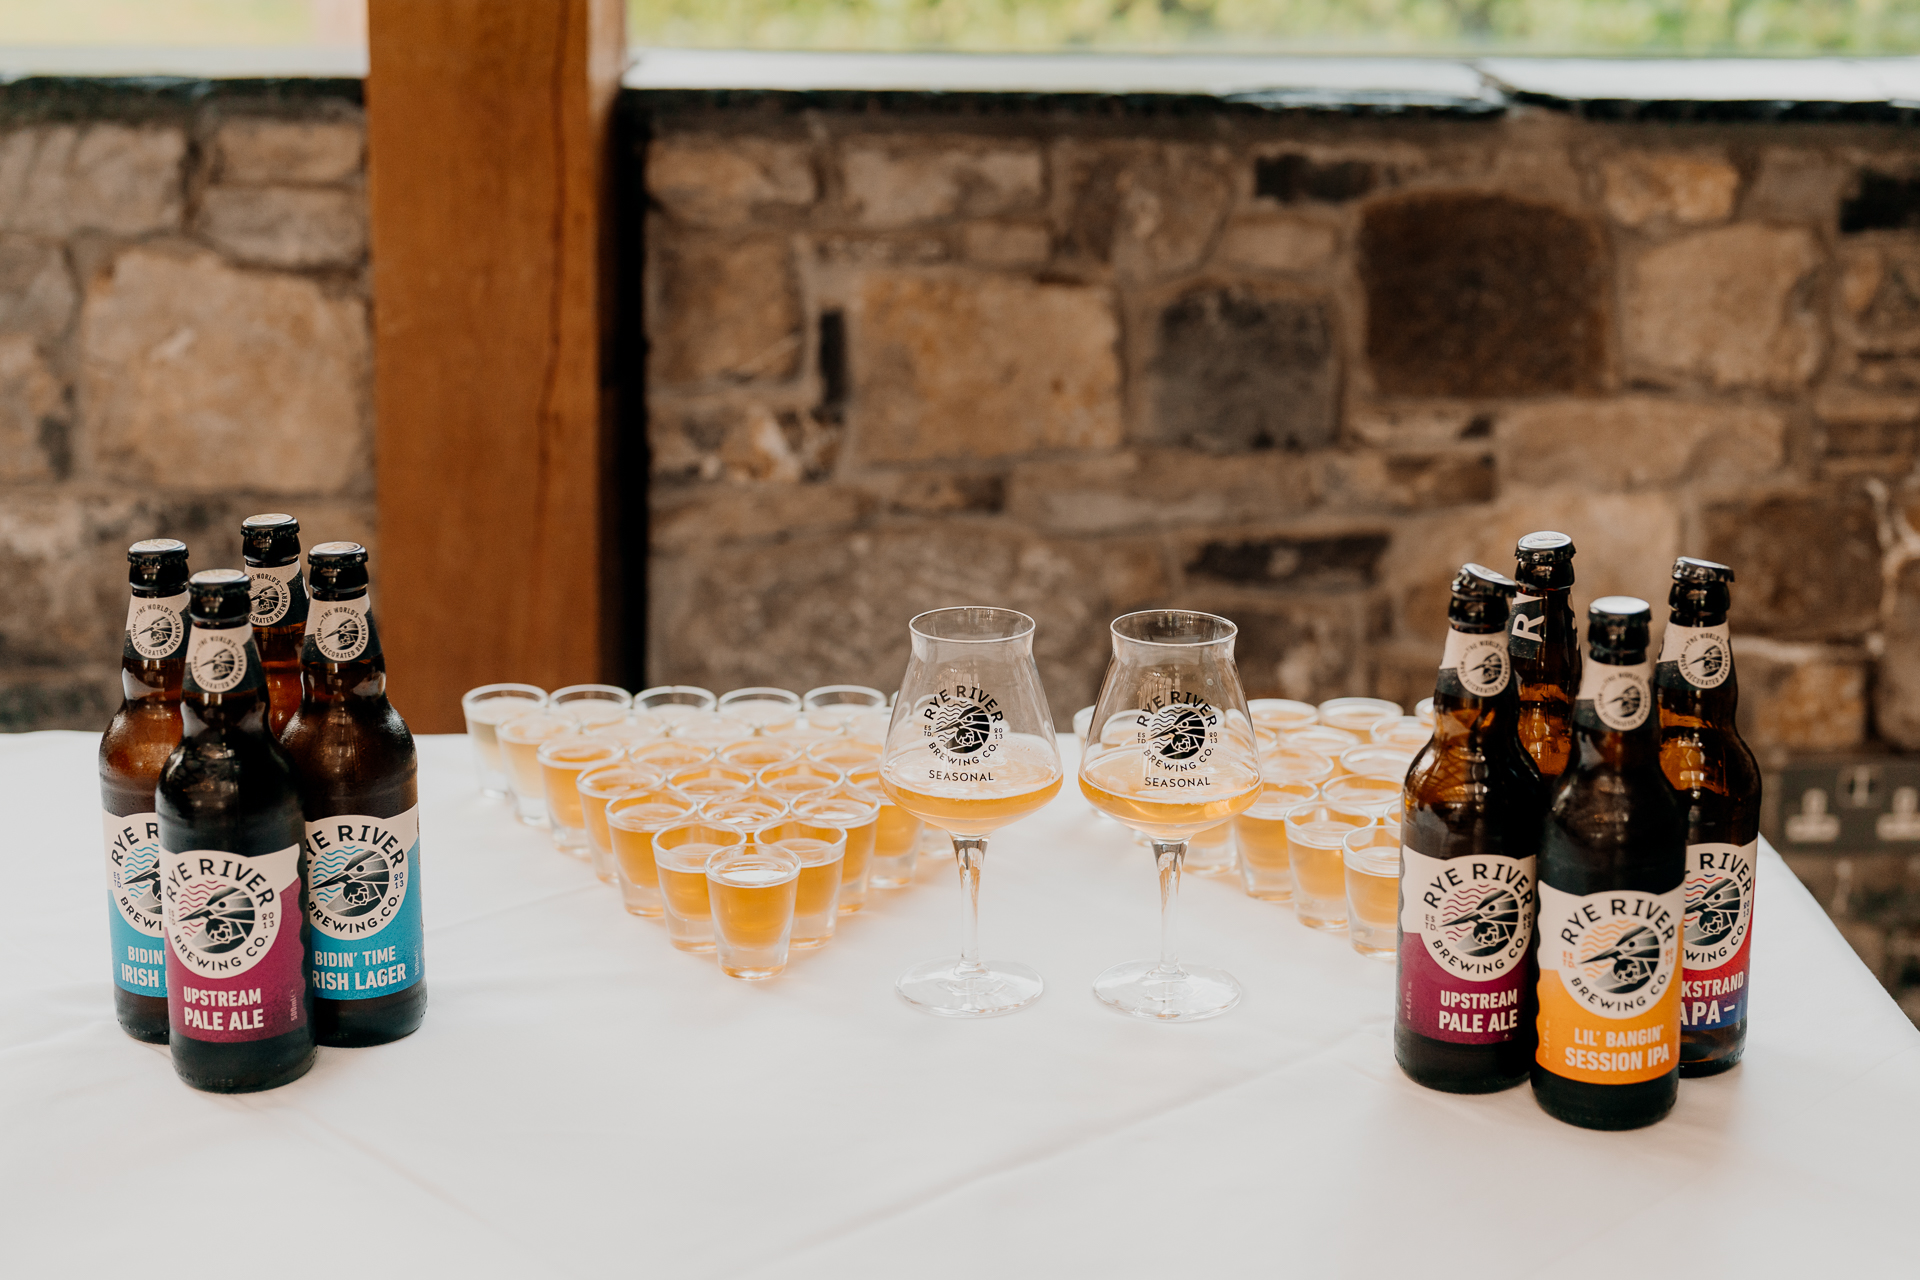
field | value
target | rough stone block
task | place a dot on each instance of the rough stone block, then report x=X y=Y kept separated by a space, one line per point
x=1417 y=424
x=981 y=367
x=930 y=493
x=729 y=181
x=265 y=151
x=1159 y=489
x=1803 y=697
x=1367 y=480
x=1274 y=244
x=724 y=311
x=1858 y=424
x=1307 y=646
x=1896 y=690
x=1482 y=295
x=33 y=417
x=30 y=701
x=1145 y=209
x=834 y=608
x=739 y=443
x=1685 y=187
x=709 y=517
x=898 y=181
x=1881 y=202
x=1732 y=307
x=1303 y=562
x=66 y=577
x=36 y=292
x=286 y=226
x=1808 y=563
x=121 y=179
x=199 y=376
x=1633 y=442
x=1294 y=178
x=1242 y=367
x=1795 y=186
x=1007 y=244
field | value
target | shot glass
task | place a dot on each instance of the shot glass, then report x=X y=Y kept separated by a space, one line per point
x=597 y=787
x=791 y=781
x=709 y=729
x=870 y=726
x=710 y=781
x=1377 y=760
x=1423 y=712
x=632 y=822
x=822 y=852
x=680 y=855
x=1260 y=835
x=837 y=706
x=897 y=835
x=755 y=754
x=1372 y=856
x=764 y=708
x=591 y=705
x=671 y=701
x=1210 y=852
x=1325 y=740
x=520 y=740
x=562 y=760
x=750 y=814
x=634 y=731
x=1082 y=725
x=485 y=708
x=1356 y=715
x=844 y=754
x=750 y=896
x=850 y=810
x=1289 y=763
x=803 y=736
x=1404 y=733
x=1315 y=831
x=670 y=754
x=1283 y=714
x=1378 y=798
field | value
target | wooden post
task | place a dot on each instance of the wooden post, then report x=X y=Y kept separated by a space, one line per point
x=487 y=157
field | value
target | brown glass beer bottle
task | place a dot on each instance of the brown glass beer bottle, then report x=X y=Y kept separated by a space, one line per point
x=1718 y=781
x=271 y=545
x=1612 y=863
x=232 y=880
x=1545 y=648
x=137 y=743
x=1470 y=833
x=358 y=792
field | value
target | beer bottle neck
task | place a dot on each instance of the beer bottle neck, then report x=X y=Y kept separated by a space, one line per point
x=1613 y=718
x=1695 y=678
x=153 y=652
x=341 y=660
x=1474 y=696
x=225 y=686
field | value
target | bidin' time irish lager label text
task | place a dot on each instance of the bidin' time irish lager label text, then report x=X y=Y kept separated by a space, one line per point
x=234 y=957
x=1610 y=984
x=1466 y=930
x=1719 y=923
x=133 y=887
x=364 y=904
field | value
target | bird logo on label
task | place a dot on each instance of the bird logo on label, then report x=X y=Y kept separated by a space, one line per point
x=963 y=727
x=1177 y=732
x=1713 y=914
x=1634 y=957
x=1491 y=923
x=220 y=923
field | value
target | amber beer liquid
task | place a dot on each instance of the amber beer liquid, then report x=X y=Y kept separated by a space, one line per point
x=271 y=546
x=1718 y=781
x=360 y=799
x=135 y=746
x=1545 y=648
x=232 y=875
x=1612 y=905
x=1470 y=838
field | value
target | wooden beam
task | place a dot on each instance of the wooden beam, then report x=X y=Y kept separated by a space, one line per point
x=487 y=160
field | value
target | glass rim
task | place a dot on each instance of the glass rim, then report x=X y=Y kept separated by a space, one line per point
x=563 y=723
x=806 y=699
x=1114 y=628
x=618 y=753
x=1365 y=819
x=696 y=823
x=481 y=693
x=839 y=795
x=752 y=849
x=615 y=812
x=597 y=692
x=759 y=693
x=675 y=691
x=1021 y=625
x=585 y=782
x=679 y=744
x=1374 y=835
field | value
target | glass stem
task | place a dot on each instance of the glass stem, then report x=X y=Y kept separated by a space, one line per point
x=1168 y=855
x=969 y=852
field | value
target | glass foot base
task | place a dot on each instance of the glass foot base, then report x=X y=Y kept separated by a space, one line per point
x=1188 y=996
x=941 y=989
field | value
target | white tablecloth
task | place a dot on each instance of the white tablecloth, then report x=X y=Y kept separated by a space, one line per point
x=583 y=1100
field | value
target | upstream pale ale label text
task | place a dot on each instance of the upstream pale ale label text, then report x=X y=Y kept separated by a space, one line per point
x=234 y=957
x=1466 y=932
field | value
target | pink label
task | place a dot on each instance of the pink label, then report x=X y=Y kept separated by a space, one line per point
x=1466 y=932
x=236 y=967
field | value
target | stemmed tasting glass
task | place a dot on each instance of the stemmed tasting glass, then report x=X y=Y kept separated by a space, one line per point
x=1177 y=756
x=970 y=750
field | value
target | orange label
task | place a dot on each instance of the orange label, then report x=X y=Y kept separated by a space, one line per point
x=1609 y=984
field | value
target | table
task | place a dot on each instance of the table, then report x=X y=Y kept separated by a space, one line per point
x=583 y=1100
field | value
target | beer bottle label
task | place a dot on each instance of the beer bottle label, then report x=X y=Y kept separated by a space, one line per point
x=1527 y=628
x=221 y=659
x=279 y=595
x=234 y=957
x=1703 y=655
x=1466 y=928
x=156 y=626
x=1620 y=695
x=338 y=630
x=1479 y=662
x=1610 y=984
x=364 y=905
x=1719 y=889
x=133 y=887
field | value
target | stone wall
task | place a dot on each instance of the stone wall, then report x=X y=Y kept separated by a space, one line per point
x=183 y=342
x=1293 y=368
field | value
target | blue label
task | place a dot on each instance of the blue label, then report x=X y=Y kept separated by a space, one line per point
x=364 y=905
x=133 y=902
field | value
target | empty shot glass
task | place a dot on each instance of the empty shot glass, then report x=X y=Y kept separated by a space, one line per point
x=899 y=838
x=1372 y=857
x=591 y=704
x=632 y=822
x=520 y=740
x=597 y=787
x=837 y=706
x=1315 y=832
x=765 y=709
x=751 y=813
x=680 y=855
x=485 y=708
x=1260 y=836
x=750 y=896
x=563 y=759
x=822 y=852
x=671 y=701
x=853 y=811
x=1356 y=715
